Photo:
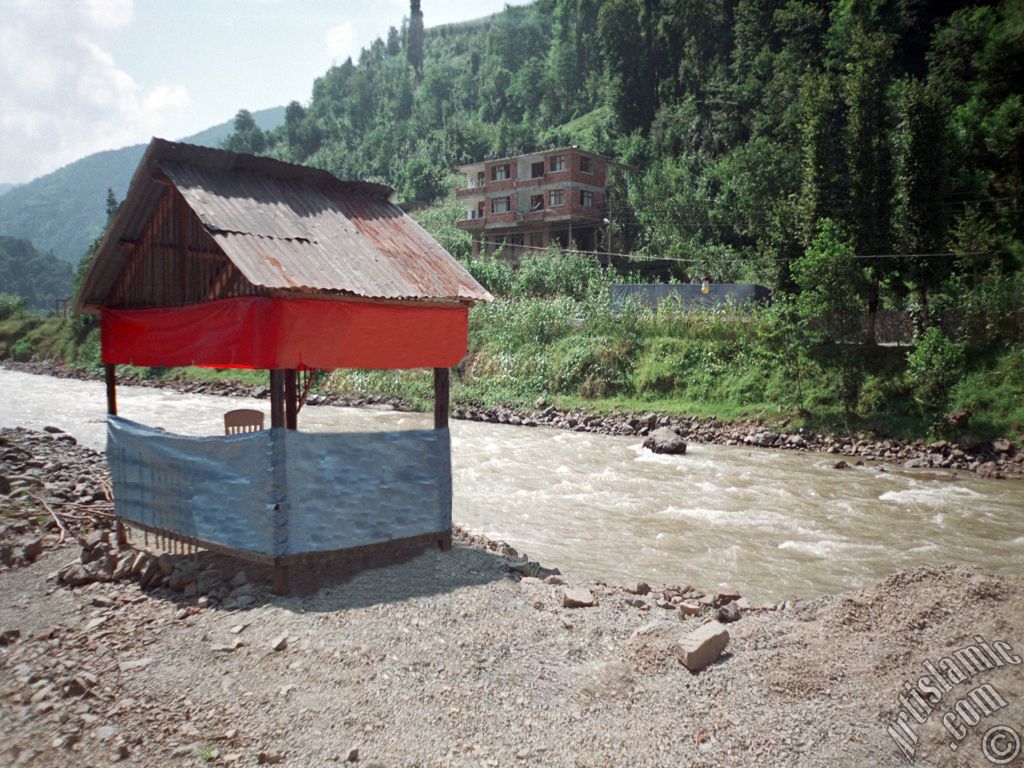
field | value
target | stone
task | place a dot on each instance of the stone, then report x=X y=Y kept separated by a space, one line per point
x=183 y=574
x=31 y=547
x=76 y=575
x=239 y=579
x=554 y=579
x=840 y=465
x=130 y=666
x=208 y=581
x=1002 y=445
x=167 y=563
x=353 y=755
x=9 y=636
x=279 y=643
x=729 y=613
x=269 y=758
x=702 y=646
x=639 y=588
x=103 y=568
x=988 y=470
x=665 y=440
x=151 y=574
x=123 y=569
x=726 y=595
x=688 y=608
x=203 y=602
x=577 y=598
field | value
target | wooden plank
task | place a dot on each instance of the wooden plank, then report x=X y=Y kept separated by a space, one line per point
x=441 y=387
x=183 y=213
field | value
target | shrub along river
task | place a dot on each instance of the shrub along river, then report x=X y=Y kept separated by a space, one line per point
x=771 y=523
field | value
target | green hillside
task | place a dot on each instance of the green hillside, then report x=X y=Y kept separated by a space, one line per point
x=5 y=188
x=41 y=279
x=64 y=211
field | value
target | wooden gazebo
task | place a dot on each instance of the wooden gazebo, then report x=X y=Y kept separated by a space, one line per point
x=232 y=261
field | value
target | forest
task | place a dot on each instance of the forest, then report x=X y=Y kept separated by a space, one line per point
x=853 y=156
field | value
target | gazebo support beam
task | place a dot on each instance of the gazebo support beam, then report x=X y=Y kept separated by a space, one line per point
x=441 y=386
x=276 y=399
x=110 y=377
x=291 y=399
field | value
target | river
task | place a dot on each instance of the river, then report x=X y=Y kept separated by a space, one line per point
x=771 y=523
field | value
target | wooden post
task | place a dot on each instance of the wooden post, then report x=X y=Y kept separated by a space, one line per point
x=291 y=399
x=110 y=375
x=276 y=399
x=441 y=385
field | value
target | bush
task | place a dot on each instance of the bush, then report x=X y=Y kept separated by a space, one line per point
x=22 y=350
x=594 y=366
x=934 y=367
x=11 y=305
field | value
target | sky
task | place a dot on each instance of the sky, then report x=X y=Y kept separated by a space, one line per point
x=80 y=76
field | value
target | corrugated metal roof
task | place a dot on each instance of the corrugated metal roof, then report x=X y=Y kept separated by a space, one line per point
x=287 y=227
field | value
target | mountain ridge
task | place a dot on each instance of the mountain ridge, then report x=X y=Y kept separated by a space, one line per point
x=65 y=210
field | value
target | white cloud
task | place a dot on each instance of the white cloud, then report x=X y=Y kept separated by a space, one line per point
x=109 y=14
x=339 y=40
x=63 y=95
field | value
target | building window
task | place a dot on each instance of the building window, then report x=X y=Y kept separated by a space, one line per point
x=537 y=170
x=536 y=202
x=480 y=179
x=500 y=172
x=557 y=163
x=536 y=239
x=585 y=165
x=586 y=198
x=499 y=205
x=556 y=197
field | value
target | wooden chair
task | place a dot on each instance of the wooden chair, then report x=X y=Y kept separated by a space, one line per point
x=243 y=420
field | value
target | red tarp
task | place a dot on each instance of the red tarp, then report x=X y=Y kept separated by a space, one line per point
x=268 y=333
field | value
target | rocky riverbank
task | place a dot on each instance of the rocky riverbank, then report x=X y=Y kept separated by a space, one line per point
x=473 y=657
x=996 y=458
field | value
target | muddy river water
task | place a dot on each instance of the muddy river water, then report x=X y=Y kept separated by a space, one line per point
x=772 y=523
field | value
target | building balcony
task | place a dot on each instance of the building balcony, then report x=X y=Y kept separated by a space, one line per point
x=478 y=190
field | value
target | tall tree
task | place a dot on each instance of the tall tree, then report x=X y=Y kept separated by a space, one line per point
x=414 y=38
x=920 y=189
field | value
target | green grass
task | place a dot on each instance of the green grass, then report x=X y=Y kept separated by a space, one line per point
x=577 y=351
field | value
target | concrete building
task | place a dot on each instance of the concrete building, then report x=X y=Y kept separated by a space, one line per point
x=517 y=204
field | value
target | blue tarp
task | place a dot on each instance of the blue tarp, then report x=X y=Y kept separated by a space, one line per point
x=282 y=492
x=690 y=296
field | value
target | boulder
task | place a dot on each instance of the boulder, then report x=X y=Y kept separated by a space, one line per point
x=702 y=646
x=665 y=440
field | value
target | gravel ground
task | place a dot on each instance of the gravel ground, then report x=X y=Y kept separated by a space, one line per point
x=460 y=659
x=451 y=659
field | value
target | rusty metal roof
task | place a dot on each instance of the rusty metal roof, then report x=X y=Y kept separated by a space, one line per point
x=287 y=226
